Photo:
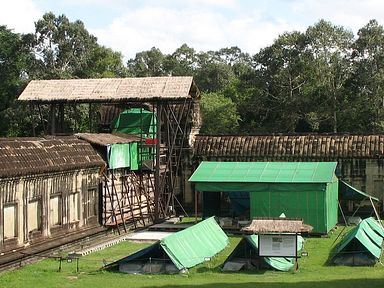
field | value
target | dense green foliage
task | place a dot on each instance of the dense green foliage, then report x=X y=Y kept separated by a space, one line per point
x=59 y=49
x=322 y=80
x=325 y=79
x=313 y=272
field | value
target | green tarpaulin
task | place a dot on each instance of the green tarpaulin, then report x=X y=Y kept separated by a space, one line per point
x=246 y=257
x=119 y=156
x=135 y=121
x=307 y=190
x=183 y=249
x=193 y=245
x=360 y=246
x=349 y=192
x=264 y=172
x=124 y=156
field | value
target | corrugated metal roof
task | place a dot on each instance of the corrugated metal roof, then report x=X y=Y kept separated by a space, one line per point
x=265 y=172
x=105 y=139
x=285 y=147
x=110 y=89
x=24 y=156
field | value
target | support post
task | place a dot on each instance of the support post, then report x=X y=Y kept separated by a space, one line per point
x=377 y=214
x=157 y=168
x=53 y=118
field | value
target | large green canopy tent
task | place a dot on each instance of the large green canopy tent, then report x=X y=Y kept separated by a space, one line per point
x=245 y=256
x=307 y=190
x=361 y=246
x=178 y=251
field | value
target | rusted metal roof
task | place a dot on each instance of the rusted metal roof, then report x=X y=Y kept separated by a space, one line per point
x=284 y=147
x=24 y=156
x=110 y=89
x=105 y=139
x=280 y=225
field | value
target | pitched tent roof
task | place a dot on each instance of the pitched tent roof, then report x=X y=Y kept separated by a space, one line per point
x=265 y=172
x=184 y=249
x=246 y=256
x=288 y=147
x=360 y=246
x=23 y=156
x=110 y=89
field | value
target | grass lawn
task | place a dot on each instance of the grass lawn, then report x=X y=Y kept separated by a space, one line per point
x=312 y=272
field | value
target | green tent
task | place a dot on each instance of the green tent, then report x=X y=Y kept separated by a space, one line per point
x=307 y=190
x=178 y=251
x=135 y=121
x=245 y=256
x=361 y=246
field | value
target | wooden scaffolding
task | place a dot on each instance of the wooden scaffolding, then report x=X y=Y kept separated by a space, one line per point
x=148 y=194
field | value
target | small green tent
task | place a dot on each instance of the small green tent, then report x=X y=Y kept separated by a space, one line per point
x=361 y=246
x=307 y=190
x=245 y=256
x=178 y=251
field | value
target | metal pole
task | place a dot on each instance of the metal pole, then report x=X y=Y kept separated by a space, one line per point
x=296 y=264
x=196 y=200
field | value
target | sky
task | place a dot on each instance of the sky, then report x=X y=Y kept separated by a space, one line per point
x=132 y=26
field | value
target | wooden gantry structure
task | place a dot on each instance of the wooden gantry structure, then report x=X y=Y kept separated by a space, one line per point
x=148 y=193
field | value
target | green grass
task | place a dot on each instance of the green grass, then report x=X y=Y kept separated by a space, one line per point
x=312 y=272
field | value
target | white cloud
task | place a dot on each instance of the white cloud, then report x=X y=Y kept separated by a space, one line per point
x=163 y=28
x=19 y=15
x=203 y=29
x=352 y=14
x=202 y=24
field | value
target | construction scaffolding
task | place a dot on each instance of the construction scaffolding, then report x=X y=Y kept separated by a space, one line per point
x=155 y=133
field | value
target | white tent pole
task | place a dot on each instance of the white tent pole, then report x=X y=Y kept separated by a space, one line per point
x=377 y=214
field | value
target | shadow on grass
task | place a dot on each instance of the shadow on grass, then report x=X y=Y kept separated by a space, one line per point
x=217 y=269
x=353 y=283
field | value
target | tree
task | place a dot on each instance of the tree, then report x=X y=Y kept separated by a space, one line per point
x=275 y=89
x=147 y=63
x=330 y=47
x=367 y=80
x=214 y=77
x=103 y=62
x=63 y=49
x=219 y=114
x=183 y=62
x=14 y=56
